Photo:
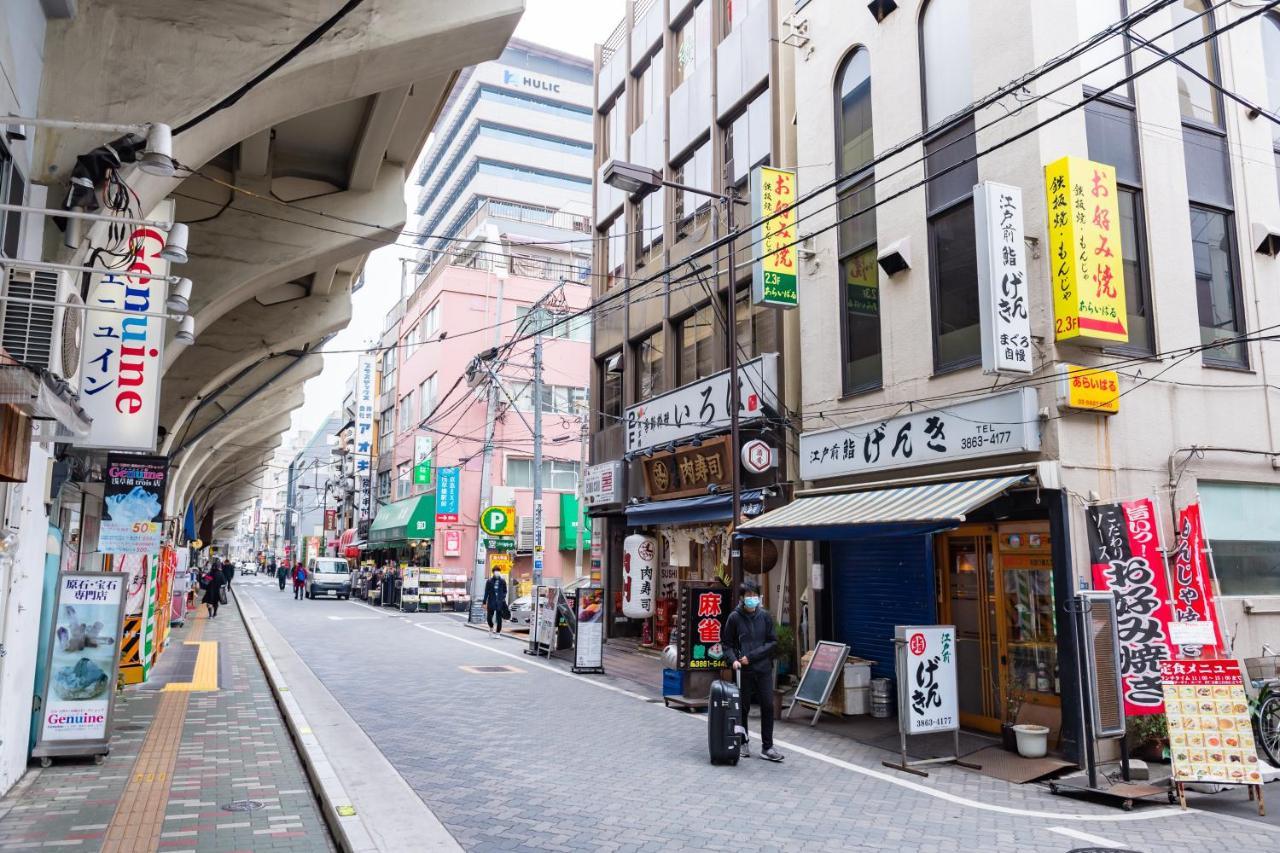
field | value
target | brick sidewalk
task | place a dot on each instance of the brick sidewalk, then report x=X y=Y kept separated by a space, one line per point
x=178 y=758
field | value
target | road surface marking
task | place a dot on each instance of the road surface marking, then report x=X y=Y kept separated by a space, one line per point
x=1151 y=814
x=1085 y=836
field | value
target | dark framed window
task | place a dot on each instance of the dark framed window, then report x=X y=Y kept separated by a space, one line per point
x=952 y=170
x=859 y=288
x=697 y=336
x=650 y=366
x=1212 y=208
x=1218 y=295
x=609 y=376
x=13 y=189
x=757 y=327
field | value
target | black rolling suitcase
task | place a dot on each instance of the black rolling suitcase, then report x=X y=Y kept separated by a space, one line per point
x=724 y=716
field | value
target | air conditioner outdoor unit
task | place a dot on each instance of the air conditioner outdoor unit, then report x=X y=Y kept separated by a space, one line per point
x=41 y=325
x=524 y=533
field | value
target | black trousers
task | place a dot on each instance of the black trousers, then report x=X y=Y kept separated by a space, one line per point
x=757 y=687
x=494 y=617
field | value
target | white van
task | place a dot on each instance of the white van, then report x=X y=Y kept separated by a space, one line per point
x=328 y=575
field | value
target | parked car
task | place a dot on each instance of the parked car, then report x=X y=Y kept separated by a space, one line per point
x=328 y=575
x=248 y=567
x=522 y=611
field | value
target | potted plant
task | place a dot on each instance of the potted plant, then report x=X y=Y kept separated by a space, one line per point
x=1149 y=736
x=1013 y=699
x=785 y=652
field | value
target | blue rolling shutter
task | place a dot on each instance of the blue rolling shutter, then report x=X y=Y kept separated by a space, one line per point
x=877 y=584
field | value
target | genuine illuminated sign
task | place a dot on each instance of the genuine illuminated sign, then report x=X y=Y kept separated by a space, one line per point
x=1086 y=265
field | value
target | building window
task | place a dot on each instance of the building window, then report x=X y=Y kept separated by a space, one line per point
x=576 y=328
x=386 y=427
x=650 y=93
x=1242 y=524
x=609 y=370
x=410 y=342
x=757 y=327
x=859 y=274
x=13 y=189
x=1197 y=99
x=692 y=44
x=694 y=171
x=1212 y=206
x=431 y=323
x=557 y=475
x=1271 y=61
x=697 y=345
x=556 y=399
x=384 y=485
x=1111 y=129
x=1217 y=291
x=649 y=367
x=406 y=412
x=748 y=139
x=404 y=481
x=427 y=397
x=615 y=251
x=953 y=262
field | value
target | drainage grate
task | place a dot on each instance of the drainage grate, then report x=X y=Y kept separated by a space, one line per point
x=489 y=670
x=244 y=806
x=130 y=727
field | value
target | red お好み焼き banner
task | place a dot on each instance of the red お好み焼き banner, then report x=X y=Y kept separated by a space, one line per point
x=1124 y=550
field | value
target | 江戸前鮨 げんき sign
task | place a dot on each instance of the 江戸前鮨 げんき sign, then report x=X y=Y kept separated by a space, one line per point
x=774 y=277
x=1085 y=263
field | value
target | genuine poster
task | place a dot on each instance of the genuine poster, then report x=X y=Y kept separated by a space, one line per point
x=133 y=499
x=1124 y=550
x=83 y=657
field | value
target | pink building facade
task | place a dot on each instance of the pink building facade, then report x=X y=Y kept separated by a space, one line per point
x=449 y=319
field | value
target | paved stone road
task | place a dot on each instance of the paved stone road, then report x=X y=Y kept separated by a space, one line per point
x=233 y=746
x=541 y=759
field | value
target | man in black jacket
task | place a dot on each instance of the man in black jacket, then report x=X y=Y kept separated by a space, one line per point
x=750 y=641
x=495 y=602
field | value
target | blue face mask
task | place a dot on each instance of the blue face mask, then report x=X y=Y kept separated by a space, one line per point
x=751 y=602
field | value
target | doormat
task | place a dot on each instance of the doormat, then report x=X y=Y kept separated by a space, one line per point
x=999 y=763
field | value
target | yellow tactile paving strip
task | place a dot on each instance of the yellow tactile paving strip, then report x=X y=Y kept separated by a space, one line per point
x=205 y=677
x=139 y=818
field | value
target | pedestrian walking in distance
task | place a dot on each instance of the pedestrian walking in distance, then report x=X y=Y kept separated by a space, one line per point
x=281 y=572
x=299 y=581
x=228 y=571
x=213 y=582
x=751 y=642
x=495 y=603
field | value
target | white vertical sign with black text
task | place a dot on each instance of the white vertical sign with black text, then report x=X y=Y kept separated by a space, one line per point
x=1002 y=278
x=927 y=693
x=365 y=370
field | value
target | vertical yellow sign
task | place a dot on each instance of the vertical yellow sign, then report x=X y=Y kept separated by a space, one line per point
x=774 y=279
x=1086 y=265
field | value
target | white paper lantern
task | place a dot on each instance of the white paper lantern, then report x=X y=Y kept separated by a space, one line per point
x=639 y=578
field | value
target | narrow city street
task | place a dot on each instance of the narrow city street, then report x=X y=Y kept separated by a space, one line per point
x=512 y=752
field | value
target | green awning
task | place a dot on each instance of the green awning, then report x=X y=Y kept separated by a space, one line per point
x=569 y=524
x=399 y=522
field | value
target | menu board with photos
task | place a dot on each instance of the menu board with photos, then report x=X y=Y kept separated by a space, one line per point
x=1210 y=735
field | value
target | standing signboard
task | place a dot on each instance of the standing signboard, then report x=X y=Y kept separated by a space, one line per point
x=819 y=677
x=1124 y=550
x=83 y=654
x=122 y=353
x=588 y=647
x=773 y=279
x=1085 y=261
x=448 y=492
x=1195 y=627
x=133 y=504
x=1210 y=733
x=928 y=695
x=704 y=607
x=1003 y=292
x=366 y=367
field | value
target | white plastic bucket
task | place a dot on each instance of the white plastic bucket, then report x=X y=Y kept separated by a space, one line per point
x=1033 y=740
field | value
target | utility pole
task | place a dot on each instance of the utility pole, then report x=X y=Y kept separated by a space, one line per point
x=735 y=445
x=476 y=613
x=582 y=497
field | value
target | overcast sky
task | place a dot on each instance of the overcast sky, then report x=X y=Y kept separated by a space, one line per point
x=573 y=26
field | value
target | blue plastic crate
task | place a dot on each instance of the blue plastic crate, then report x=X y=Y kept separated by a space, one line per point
x=672 y=682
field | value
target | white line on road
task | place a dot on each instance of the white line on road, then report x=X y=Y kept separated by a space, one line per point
x=1084 y=836
x=845 y=765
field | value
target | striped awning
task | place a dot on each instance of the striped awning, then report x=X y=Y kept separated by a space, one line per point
x=884 y=512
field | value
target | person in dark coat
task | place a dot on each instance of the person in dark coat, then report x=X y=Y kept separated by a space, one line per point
x=750 y=641
x=299 y=581
x=281 y=572
x=495 y=603
x=213 y=588
x=228 y=571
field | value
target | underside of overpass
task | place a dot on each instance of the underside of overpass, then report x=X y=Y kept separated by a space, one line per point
x=286 y=189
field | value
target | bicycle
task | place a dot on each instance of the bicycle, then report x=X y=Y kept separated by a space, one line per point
x=1264 y=708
